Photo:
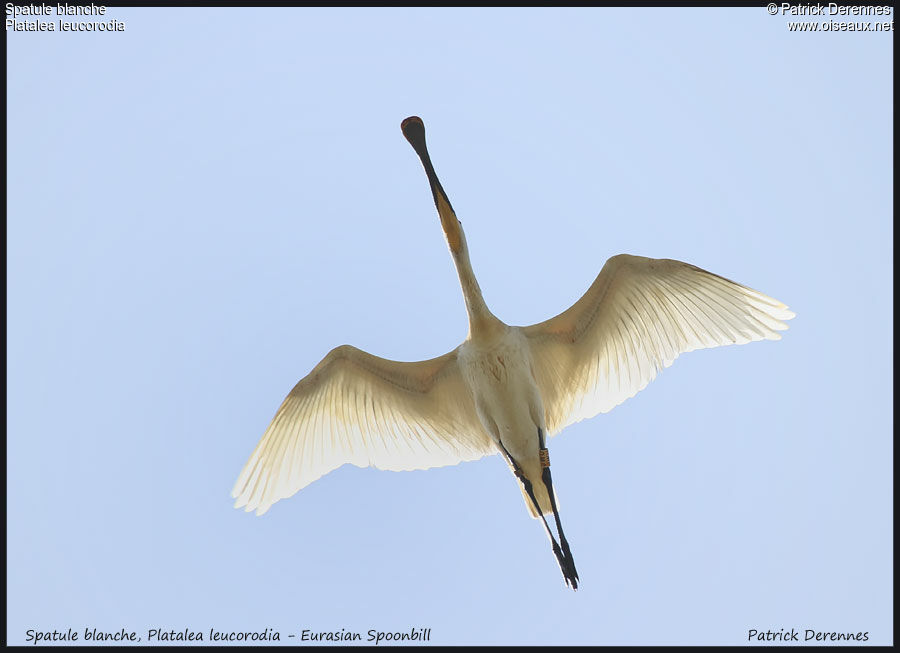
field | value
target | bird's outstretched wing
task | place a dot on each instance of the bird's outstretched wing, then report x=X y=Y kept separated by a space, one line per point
x=362 y=409
x=635 y=319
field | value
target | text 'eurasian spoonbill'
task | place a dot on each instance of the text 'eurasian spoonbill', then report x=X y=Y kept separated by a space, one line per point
x=506 y=388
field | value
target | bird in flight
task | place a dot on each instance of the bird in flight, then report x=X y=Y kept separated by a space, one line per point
x=505 y=389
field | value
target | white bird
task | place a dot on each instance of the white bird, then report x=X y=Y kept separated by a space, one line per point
x=505 y=388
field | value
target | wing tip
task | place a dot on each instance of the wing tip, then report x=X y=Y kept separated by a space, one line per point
x=244 y=503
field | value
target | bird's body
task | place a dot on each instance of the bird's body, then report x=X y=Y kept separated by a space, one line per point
x=505 y=389
x=498 y=373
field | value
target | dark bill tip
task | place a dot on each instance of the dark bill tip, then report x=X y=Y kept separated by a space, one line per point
x=411 y=123
x=414 y=130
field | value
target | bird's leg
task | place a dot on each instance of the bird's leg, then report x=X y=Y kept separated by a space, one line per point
x=548 y=482
x=560 y=558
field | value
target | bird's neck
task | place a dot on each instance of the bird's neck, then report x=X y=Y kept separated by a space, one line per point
x=482 y=323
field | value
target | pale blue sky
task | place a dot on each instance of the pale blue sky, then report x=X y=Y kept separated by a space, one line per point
x=201 y=206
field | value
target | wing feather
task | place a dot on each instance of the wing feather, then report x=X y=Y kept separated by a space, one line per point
x=634 y=320
x=360 y=409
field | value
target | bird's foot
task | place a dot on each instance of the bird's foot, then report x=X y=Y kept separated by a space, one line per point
x=567 y=566
x=568 y=554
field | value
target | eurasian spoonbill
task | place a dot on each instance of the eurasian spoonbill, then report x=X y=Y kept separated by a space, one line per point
x=505 y=388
